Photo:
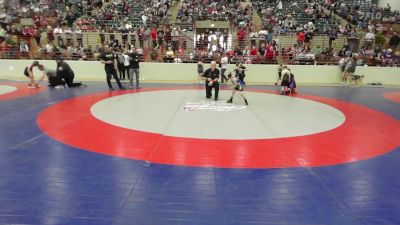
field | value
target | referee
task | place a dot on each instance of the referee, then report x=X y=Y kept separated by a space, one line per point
x=211 y=76
x=108 y=58
x=65 y=72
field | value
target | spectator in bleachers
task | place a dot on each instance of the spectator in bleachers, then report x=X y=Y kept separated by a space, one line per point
x=57 y=32
x=24 y=49
x=169 y=55
x=154 y=54
x=79 y=36
x=279 y=17
x=240 y=36
x=300 y=37
x=394 y=41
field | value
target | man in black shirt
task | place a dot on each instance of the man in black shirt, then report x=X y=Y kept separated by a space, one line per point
x=211 y=76
x=65 y=72
x=108 y=58
x=134 y=60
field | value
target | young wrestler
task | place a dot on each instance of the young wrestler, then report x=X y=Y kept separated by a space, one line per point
x=237 y=85
x=54 y=78
x=285 y=80
x=292 y=84
x=28 y=72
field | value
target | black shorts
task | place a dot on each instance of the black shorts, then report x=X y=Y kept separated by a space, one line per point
x=285 y=83
x=238 y=88
x=26 y=72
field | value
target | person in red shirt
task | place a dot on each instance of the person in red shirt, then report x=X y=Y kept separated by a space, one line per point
x=300 y=37
x=27 y=31
x=154 y=36
x=240 y=35
x=270 y=52
x=254 y=55
x=253 y=51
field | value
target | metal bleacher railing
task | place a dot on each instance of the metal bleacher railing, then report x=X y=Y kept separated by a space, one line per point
x=186 y=45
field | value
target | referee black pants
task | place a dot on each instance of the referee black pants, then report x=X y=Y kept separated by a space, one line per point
x=215 y=85
x=112 y=73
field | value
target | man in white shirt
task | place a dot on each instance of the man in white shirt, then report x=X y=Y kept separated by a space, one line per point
x=49 y=47
x=144 y=20
x=212 y=40
x=57 y=32
x=224 y=66
x=369 y=38
x=78 y=33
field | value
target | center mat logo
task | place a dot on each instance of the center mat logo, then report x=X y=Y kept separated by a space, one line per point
x=211 y=106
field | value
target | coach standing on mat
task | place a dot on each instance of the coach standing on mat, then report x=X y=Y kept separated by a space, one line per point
x=108 y=58
x=211 y=76
x=134 y=60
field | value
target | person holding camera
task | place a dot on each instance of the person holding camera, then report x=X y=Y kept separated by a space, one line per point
x=211 y=77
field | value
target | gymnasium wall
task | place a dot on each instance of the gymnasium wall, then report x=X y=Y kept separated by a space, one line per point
x=187 y=73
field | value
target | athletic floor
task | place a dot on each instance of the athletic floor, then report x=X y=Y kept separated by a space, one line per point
x=165 y=155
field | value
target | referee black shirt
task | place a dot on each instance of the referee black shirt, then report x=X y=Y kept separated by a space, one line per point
x=213 y=74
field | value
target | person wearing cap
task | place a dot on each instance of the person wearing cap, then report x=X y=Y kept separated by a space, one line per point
x=28 y=72
x=211 y=77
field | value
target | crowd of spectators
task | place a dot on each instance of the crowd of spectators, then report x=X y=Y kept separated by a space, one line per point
x=59 y=25
x=360 y=13
x=58 y=28
x=234 y=11
x=283 y=17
